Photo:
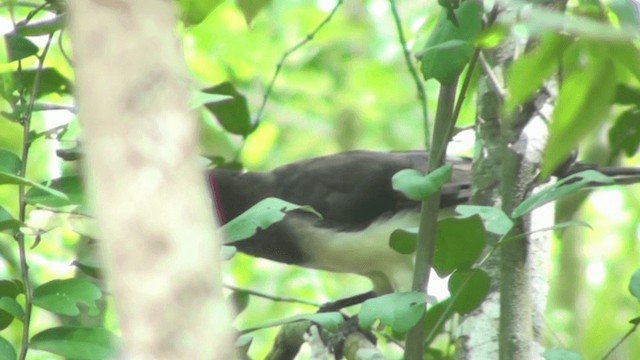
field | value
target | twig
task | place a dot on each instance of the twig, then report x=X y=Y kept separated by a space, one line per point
x=631 y=331
x=422 y=96
x=284 y=57
x=271 y=297
x=24 y=267
x=495 y=85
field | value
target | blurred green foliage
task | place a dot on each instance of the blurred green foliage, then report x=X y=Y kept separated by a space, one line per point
x=347 y=88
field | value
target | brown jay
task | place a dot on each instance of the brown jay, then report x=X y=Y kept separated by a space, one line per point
x=353 y=193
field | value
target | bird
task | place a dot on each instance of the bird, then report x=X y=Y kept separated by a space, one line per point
x=353 y=193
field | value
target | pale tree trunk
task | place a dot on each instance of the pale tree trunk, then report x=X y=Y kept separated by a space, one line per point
x=148 y=192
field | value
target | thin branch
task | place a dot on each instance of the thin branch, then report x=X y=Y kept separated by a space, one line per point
x=271 y=297
x=20 y=238
x=631 y=331
x=422 y=96
x=495 y=85
x=465 y=86
x=286 y=54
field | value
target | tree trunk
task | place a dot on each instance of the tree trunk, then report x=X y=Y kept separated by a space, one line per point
x=146 y=187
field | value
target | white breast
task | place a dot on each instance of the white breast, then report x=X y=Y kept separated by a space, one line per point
x=364 y=252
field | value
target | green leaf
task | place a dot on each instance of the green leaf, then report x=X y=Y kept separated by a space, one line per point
x=51 y=81
x=404 y=241
x=195 y=11
x=233 y=114
x=468 y=289
x=87 y=343
x=9 y=162
x=413 y=184
x=63 y=296
x=526 y=74
x=459 y=242
x=634 y=284
x=227 y=252
x=7 y=178
x=7 y=352
x=19 y=47
x=70 y=186
x=435 y=319
x=624 y=135
x=260 y=216
x=251 y=8
x=44 y=27
x=627 y=95
x=400 y=311
x=563 y=187
x=10 y=306
x=561 y=354
x=495 y=220
x=585 y=98
x=450 y=46
x=239 y=300
x=328 y=320
x=626 y=11
x=8 y=290
x=200 y=98
x=88 y=268
x=8 y=222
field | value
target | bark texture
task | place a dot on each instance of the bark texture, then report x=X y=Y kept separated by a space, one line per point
x=147 y=189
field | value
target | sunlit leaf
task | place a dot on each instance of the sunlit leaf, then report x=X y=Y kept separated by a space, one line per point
x=459 y=242
x=77 y=342
x=417 y=186
x=585 y=98
x=400 y=311
x=562 y=188
x=526 y=74
x=62 y=296
x=260 y=216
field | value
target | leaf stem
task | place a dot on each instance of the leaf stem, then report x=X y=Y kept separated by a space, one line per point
x=20 y=237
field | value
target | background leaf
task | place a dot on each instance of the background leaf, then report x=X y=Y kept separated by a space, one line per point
x=63 y=296
x=76 y=342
